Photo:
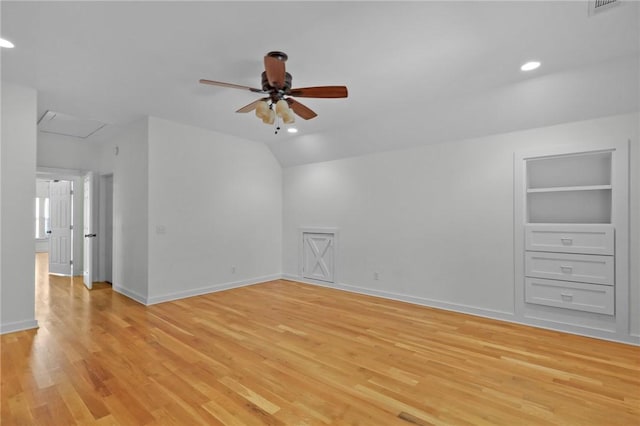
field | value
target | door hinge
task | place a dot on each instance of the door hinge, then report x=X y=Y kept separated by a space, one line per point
x=71 y=192
x=71 y=227
x=71 y=262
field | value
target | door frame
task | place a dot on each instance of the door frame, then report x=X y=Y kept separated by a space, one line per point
x=319 y=230
x=89 y=244
x=75 y=176
x=102 y=227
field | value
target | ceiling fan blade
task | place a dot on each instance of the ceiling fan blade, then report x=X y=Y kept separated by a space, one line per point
x=320 y=92
x=231 y=85
x=300 y=109
x=251 y=106
x=274 y=68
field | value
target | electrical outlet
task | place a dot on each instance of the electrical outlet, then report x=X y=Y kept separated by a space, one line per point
x=233 y=269
x=376 y=275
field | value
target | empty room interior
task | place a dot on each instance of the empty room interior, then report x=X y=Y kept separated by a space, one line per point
x=320 y=213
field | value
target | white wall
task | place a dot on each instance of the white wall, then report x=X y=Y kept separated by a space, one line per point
x=436 y=221
x=634 y=230
x=65 y=152
x=214 y=203
x=130 y=213
x=17 y=184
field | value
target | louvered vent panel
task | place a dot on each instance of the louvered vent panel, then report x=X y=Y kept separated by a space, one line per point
x=598 y=6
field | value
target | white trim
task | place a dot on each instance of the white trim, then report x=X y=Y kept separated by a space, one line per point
x=129 y=293
x=57 y=173
x=13 y=327
x=416 y=300
x=581 y=331
x=480 y=312
x=42 y=245
x=210 y=289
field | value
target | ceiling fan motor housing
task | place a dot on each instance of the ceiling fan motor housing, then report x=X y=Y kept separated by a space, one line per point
x=268 y=88
x=278 y=55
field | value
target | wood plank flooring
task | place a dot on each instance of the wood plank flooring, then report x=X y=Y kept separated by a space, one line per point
x=284 y=353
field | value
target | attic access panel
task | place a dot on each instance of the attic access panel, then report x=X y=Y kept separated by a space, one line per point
x=68 y=125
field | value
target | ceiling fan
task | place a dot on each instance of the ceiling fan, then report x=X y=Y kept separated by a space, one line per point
x=276 y=85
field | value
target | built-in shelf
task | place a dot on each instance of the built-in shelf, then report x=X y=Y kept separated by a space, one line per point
x=569 y=188
x=571 y=238
x=569 y=199
x=579 y=169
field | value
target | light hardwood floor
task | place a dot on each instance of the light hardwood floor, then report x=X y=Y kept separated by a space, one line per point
x=284 y=353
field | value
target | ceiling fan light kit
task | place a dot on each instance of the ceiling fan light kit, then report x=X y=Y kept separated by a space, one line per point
x=276 y=84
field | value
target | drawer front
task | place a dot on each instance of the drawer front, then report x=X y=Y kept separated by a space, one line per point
x=576 y=296
x=570 y=267
x=567 y=238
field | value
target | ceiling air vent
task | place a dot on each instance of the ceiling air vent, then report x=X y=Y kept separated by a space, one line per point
x=599 y=6
x=68 y=125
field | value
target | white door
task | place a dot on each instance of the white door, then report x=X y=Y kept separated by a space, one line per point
x=60 y=242
x=318 y=256
x=89 y=232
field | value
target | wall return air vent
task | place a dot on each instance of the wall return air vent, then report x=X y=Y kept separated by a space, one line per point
x=599 y=6
x=68 y=125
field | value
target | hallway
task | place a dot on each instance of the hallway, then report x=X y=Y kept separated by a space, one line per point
x=52 y=287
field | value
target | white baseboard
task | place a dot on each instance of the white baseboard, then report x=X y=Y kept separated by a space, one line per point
x=416 y=300
x=42 y=246
x=596 y=333
x=12 y=327
x=210 y=289
x=486 y=313
x=129 y=293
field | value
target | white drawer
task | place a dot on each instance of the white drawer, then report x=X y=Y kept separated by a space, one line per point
x=570 y=267
x=568 y=238
x=577 y=296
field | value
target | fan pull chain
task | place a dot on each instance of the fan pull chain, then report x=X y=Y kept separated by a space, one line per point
x=277 y=125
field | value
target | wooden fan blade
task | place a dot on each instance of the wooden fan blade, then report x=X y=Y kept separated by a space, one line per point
x=231 y=85
x=274 y=68
x=300 y=109
x=251 y=106
x=320 y=92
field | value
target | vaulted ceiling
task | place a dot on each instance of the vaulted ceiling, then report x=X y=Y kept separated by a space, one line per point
x=417 y=72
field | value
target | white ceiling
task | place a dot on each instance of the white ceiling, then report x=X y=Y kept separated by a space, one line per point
x=428 y=62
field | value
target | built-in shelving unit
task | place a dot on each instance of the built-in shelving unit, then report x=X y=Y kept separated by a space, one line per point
x=571 y=258
x=562 y=274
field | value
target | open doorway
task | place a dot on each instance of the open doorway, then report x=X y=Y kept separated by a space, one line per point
x=54 y=220
x=79 y=203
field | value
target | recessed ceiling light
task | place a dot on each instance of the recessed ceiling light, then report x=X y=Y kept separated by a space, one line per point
x=292 y=130
x=530 y=66
x=5 y=43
